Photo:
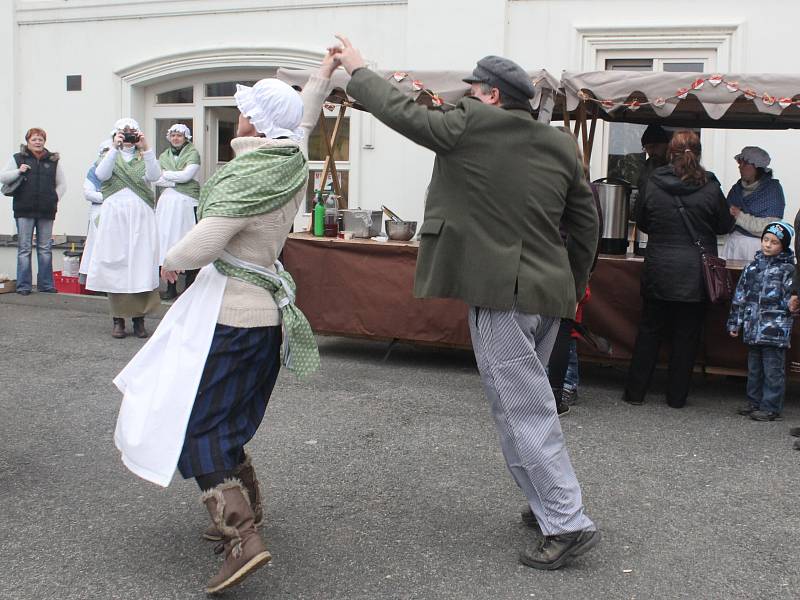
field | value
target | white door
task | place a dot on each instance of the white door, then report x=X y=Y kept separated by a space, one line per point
x=221 y=122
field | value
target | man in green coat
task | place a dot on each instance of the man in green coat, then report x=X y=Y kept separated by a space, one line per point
x=501 y=185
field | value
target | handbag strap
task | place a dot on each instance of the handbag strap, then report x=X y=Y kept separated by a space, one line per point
x=692 y=233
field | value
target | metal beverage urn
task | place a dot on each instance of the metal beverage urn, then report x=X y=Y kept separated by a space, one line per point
x=614 y=196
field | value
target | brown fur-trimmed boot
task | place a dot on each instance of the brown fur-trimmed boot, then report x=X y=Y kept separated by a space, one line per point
x=229 y=507
x=247 y=474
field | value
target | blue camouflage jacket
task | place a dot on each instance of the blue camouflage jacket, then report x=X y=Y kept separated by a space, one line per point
x=760 y=304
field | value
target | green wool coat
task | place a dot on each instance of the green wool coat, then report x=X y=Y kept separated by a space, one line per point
x=501 y=184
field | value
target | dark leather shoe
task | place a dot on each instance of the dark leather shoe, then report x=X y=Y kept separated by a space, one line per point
x=138 y=327
x=633 y=401
x=795 y=431
x=747 y=410
x=529 y=519
x=119 y=329
x=762 y=415
x=556 y=550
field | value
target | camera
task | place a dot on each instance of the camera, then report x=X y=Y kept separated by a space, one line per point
x=130 y=137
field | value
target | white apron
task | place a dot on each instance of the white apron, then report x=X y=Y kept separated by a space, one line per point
x=125 y=253
x=91 y=233
x=175 y=217
x=739 y=246
x=160 y=383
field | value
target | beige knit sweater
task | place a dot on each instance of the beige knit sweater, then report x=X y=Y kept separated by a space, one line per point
x=257 y=239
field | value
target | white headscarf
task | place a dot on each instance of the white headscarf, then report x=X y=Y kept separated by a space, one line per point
x=180 y=128
x=274 y=108
x=121 y=124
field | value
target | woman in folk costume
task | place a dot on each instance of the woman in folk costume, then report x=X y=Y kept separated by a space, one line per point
x=91 y=191
x=175 y=210
x=197 y=392
x=124 y=261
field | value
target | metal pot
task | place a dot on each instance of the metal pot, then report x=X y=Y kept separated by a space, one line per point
x=614 y=196
x=363 y=223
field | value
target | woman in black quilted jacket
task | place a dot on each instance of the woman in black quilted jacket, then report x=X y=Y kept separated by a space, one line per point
x=673 y=293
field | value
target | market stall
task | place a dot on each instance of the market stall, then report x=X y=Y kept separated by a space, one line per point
x=364 y=288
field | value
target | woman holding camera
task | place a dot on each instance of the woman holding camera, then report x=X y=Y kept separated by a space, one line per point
x=124 y=261
x=175 y=211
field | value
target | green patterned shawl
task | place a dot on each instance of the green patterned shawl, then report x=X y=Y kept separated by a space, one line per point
x=188 y=155
x=254 y=183
x=128 y=175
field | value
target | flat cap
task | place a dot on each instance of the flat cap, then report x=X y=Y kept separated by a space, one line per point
x=504 y=74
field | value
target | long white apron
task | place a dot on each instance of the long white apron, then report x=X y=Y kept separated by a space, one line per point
x=160 y=383
x=739 y=246
x=175 y=218
x=125 y=253
x=91 y=233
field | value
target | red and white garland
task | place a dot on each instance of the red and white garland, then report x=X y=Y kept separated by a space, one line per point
x=697 y=84
x=418 y=86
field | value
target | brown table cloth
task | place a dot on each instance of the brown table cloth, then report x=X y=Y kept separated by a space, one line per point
x=364 y=288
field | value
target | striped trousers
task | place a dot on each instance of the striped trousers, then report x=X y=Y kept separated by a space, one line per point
x=512 y=349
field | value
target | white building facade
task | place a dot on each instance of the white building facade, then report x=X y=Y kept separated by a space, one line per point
x=164 y=61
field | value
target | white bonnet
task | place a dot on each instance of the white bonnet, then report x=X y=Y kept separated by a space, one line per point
x=274 y=108
x=180 y=128
x=121 y=124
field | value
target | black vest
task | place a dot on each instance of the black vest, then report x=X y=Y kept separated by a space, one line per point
x=36 y=196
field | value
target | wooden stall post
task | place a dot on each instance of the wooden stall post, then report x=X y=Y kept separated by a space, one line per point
x=330 y=163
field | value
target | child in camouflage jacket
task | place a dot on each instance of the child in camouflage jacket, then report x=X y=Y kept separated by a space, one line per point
x=760 y=307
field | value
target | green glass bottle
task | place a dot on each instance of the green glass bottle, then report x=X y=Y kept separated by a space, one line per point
x=319 y=216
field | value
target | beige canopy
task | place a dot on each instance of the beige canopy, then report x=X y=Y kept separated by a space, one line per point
x=431 y=88
x=698 y=100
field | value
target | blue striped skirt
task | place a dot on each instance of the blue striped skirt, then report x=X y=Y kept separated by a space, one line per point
x=237 y=381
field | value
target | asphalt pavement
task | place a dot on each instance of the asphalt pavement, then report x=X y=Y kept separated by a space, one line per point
x=383 y=480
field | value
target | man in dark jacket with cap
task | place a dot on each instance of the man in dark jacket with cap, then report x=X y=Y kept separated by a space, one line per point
x=655 y=141
x=501 y=184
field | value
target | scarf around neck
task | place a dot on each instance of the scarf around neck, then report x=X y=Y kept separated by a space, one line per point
x=254 y=183
x=131 y=175
x=766 y=200
x=172 y=161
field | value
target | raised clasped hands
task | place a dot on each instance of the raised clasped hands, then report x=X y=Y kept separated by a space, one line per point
x=347 y=55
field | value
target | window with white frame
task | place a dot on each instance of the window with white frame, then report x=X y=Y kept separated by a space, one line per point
x=207 y=102
x=623 y=155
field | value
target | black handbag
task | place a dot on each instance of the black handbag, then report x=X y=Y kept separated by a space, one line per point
x=8 y=189
x=717 y=279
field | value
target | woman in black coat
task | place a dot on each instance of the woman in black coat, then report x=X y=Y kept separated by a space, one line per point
x=672 y=288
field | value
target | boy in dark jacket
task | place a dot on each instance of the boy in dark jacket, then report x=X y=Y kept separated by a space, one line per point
x=760 y=307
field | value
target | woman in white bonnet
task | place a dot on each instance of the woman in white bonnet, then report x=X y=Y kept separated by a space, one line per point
x=124 y=259
x=241 y=309
x=177 y=204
